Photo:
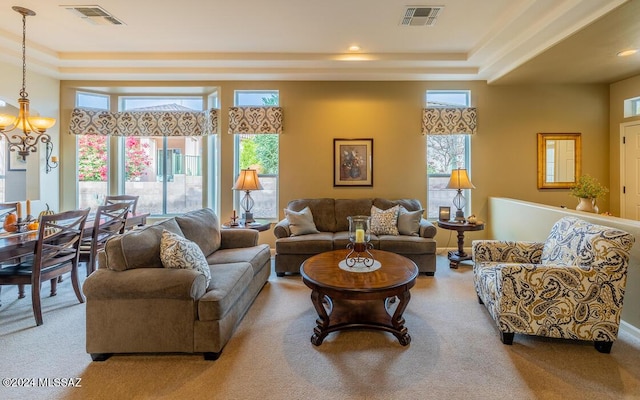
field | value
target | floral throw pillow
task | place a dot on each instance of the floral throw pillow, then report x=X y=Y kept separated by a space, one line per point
x=384 y=222
x=179 y=252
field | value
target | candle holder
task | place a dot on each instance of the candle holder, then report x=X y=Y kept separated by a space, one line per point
x=21 y=225
x=359 y=242
x=234 y=219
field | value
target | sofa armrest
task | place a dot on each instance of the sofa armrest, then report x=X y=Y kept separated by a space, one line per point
x=238 y=237
x=559 y=292
x=145 y=283
x=506 y=251
x=427 y=229
x=281 y=230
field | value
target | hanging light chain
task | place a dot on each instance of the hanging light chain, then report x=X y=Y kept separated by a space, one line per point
x=23 y=91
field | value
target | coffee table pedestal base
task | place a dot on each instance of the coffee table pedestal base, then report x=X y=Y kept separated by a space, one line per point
x=346 y=314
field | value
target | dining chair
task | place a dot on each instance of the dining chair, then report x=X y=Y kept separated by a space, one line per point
x=56 y=252
x=6 y=209
x=123 y=198
x=110 y=220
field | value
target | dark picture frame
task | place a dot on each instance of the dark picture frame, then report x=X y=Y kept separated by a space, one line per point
x=352 y=162
x=444 y=213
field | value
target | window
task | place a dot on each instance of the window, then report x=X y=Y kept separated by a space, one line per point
x=445 y=152
x=260 y=152
x=166 y=172
x=632 y=107
x=92 y=155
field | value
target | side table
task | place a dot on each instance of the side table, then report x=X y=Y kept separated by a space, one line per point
x=456 y=257
x=259 y=226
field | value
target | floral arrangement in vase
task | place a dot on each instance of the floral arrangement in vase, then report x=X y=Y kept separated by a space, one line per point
x=588 y=189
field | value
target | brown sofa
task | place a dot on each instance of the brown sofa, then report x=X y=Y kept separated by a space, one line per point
x=330 y=217
x=135 y=305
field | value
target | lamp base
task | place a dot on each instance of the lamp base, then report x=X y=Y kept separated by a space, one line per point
x=460 y=216
x=248 y=217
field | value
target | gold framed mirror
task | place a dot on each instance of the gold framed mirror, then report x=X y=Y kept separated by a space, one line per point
x=559 y=160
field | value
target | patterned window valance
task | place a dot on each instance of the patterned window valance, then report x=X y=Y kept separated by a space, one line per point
x=255 y=120
x=448 y=121
x=86 y=121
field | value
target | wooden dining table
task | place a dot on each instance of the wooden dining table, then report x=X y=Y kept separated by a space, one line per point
x=13 y=245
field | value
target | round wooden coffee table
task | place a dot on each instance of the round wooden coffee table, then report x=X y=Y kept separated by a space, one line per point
x=359 y=300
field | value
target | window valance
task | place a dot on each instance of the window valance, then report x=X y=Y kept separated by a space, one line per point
x=255 y=120
x=449 y=121
x=86 y=121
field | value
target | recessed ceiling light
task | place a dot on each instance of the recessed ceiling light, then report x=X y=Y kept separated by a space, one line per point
x=625 y=53
x=355 y=47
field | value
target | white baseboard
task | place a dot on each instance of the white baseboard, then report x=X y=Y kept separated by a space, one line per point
x=630 y=329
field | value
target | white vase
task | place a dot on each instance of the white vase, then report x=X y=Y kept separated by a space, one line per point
x=587 y=205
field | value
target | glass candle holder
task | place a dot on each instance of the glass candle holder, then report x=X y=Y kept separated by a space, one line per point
x=359 y=241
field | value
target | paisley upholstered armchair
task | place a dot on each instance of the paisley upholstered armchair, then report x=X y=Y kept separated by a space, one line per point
x=571 y=286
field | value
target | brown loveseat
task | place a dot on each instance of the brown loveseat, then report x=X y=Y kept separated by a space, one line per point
x=330 y=218
x=135 y=305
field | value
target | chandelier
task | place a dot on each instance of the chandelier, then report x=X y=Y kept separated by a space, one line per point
x=30 y=129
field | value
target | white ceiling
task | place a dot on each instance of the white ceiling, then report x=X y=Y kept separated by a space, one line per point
x=492 y=40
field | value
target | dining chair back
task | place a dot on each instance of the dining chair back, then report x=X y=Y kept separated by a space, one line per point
x=56 y=252
x=6 y=209
x=110 y=220
x=123 y=198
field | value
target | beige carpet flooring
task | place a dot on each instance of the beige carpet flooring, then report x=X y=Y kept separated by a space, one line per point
x=455 y=353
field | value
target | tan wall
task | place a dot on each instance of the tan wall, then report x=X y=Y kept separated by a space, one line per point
x=43 y=91
x=619 y=92
x=535 y=222
x=503 y=151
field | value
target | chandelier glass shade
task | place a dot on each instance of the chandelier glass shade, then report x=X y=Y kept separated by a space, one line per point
x=24 y=131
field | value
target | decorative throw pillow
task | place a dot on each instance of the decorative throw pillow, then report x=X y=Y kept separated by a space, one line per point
x=409 y=222
x=179 y=252
x=300 y=222
x=384 y=222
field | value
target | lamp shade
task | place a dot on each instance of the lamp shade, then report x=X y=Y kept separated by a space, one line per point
x=460 y=180
x=247 y=180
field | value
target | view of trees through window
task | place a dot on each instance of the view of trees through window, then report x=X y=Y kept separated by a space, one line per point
x=166 y=172
x=92 y=156
x=259 y=152
x=445 y=152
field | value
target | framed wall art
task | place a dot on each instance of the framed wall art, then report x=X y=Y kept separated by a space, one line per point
x=16 y=162
x=352 y=162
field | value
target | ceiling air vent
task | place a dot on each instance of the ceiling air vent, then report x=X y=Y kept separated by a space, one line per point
x=421 y=15
x=95 y=15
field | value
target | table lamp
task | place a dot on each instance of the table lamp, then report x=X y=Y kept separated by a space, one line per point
x=459 y=180
x=247 y=181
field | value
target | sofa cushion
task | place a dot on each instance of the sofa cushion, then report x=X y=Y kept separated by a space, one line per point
x=181 y=253
x=384 y=222
x=201 y=226
x=409 y=204
x=231 y=281
x=138 y=248
x=257 y=256
x=322 y=210
x=341 y=239
x=300 y=222
x=409 y=222
x=307 y=244
x=403 y=244
x=347 y=208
